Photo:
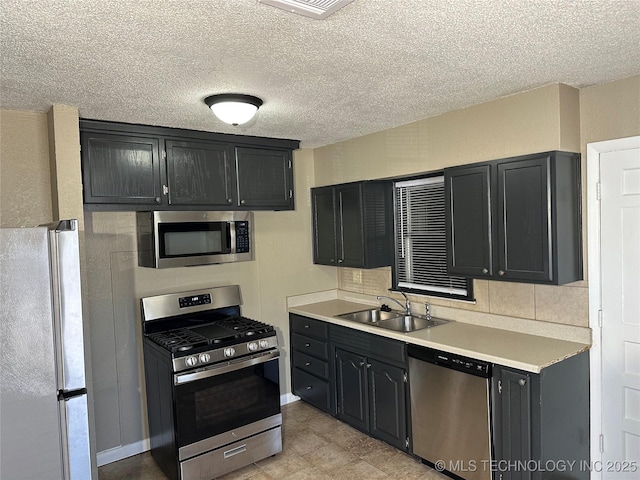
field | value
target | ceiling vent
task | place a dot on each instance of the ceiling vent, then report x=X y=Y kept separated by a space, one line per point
x=309 y=8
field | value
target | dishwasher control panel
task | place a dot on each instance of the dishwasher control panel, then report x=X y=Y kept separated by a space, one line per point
x=450 y=360
x=463 y=364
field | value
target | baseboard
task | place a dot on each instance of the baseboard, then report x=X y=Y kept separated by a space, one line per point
x=124 y=451
x=288 y=398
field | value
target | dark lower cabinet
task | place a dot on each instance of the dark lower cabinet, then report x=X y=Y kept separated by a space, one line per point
x=516 y=219
x=371 y=396
x=357 y=377
x=351 y=389
x=541 y=421
x=387 y=399
x=311 y=366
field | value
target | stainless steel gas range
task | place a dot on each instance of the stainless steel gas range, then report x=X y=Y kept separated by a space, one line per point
x=212 y=380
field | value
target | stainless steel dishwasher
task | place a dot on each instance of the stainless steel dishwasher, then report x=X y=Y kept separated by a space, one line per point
x=450 y=412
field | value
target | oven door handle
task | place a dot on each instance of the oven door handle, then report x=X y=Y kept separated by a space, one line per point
x=212 y=371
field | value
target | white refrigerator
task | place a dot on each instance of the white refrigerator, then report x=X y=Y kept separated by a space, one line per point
x=44 y=428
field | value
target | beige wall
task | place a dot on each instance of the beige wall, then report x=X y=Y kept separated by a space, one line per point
x=25 y=188
x=538 y=120
x=548 y=118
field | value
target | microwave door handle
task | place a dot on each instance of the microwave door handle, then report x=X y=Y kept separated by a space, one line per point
x=214 y=370
x=231 y=237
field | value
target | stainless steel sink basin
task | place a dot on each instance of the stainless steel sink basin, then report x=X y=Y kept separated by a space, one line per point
x=410 y=323
x=396 y=321
x=373 y=316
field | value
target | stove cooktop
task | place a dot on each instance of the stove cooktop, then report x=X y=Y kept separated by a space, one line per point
x=219 y=333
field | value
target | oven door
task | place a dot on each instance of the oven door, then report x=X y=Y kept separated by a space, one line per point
x=221 y=398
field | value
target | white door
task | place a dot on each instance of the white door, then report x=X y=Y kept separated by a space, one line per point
x=619 y=269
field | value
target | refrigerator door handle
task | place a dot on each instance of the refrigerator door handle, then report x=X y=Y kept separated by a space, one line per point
x=69 y=394
x=74 y=430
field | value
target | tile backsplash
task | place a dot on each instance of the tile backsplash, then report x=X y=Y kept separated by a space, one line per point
x=567 y=304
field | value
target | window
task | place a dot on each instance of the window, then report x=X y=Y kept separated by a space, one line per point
x=420 y=242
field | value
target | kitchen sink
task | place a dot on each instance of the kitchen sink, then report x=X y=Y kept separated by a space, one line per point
x=373 y=316
x=410 y=323
x=393 y=320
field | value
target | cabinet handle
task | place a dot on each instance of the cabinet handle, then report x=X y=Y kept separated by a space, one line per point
x=368 y=365
x=309 y=387
x=485 y=270
x=165 y=190
x=307 y=344
x=306 y=364
x=306 y=326
x=341 y=260
x=362 y=364
x=501 y=272
x=241 y=202
x=158 y=199
x=229 y=200
x=522 y=382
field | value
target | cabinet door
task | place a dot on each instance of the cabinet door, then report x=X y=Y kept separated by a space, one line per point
x=513 y=406
x=468 y=221
x=265 y=178
x=119 y=169
x=349 y=233
x=387 y=399
x=351 y=389
x=523 y=225
x=199 y=174
x=324 y=225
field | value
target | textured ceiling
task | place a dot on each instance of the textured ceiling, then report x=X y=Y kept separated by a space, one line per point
x=372 y=65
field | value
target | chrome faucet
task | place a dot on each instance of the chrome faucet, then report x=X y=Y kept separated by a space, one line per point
x=427 y=310
x=407 y=303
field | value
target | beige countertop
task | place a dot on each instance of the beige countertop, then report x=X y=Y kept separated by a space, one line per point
x=523 y=351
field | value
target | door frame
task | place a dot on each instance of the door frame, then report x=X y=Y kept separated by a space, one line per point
x=594 y=150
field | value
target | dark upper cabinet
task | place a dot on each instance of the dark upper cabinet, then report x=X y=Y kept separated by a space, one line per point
x=199 y=174
x=542 y=419
x=121 y=169
x=469 y=237
x=138 y=167
x=265 y=178
x=352 y=224
x=517 y=219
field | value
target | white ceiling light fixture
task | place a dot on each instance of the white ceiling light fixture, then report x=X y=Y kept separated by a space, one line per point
x=233 y=108
x=318 y=9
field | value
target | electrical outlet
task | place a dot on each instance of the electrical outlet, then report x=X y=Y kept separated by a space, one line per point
x=357 y=276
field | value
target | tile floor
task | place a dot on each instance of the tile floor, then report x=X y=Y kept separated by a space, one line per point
x=316 y=446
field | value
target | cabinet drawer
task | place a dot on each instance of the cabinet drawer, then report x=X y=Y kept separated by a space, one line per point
x=310 y=346
x=369 y=344
x=309 y=327
x=312 y=389
x=311 y=364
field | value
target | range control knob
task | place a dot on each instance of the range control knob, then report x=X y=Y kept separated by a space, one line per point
x=264 y=343
x=204 y=357
x=191 y=361
x=252 y=346
x=229 y=352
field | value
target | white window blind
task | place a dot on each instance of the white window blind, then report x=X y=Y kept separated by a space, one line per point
x=421 y=255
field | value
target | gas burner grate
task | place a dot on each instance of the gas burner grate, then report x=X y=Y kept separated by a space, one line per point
x=245 y=326
x=179 y=340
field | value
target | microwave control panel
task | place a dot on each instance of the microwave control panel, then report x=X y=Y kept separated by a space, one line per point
x=242 y=237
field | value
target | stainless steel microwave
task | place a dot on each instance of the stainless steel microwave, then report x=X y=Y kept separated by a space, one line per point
x=184 y=239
